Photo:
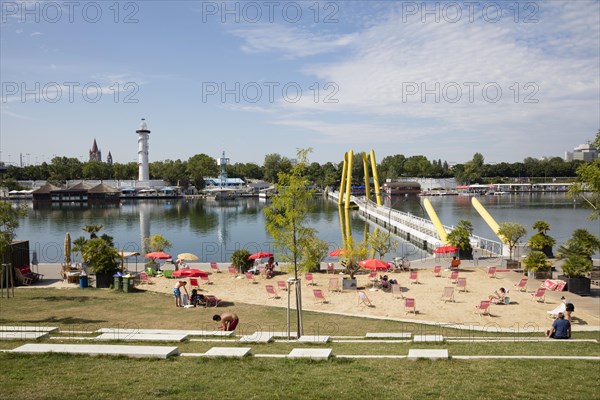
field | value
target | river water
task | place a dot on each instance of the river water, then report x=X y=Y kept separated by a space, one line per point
x=214 y=230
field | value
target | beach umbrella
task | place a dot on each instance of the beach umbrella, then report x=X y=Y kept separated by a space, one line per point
x=262 y=254
x=189 y=273
x=337 y=253
x=375 y=264
x=445 y=250
x=160 y=255
x=67 y=249
x=187 y=257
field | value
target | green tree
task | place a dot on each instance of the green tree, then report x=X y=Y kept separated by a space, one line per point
x=353 y=253
x=286 y=218
x=93 y=230
x=541 y=241
x=588 y=183
x=156 y=243
x=460 y=237
x=101 y=256
x=201 y=166
x=381 y=242
x=536 y=261
x=9 y=222
x=512 y=233
x=314 y=252
x=275 y=164
x=240 y=259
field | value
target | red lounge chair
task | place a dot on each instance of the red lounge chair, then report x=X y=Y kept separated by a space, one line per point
x=453 y=278
x=318 y=293
x=205 y=279
x=539 y=295
x=232 y=271
x=461 y=284
x=215 y=267
x=437 y=271
x=211 y=301
x=491 y=272
x=373 y=277
x=144 y=280
x=194 y=283
x=282 y=285
x=413 y=277
x=309 y=279
x=483 y=307
x=410 y=306
x=522 y=285
x=271 y=293
x=250 y=277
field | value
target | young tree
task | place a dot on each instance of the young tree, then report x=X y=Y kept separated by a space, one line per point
x=286 y=218
x=460 y=237
x=511 y=233
x=588 y=185
x=381 y=242
x=541 y=241
x=353 y=253
x=9 y=222
x=156 y=243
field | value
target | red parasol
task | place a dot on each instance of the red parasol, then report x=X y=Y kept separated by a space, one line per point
x=445 y=250
x=375 y=264
x=262 y=254
x=337 y=253
x=160 y=255
x=189 y=273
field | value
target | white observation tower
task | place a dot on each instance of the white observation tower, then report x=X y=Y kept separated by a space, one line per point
x=143 y=132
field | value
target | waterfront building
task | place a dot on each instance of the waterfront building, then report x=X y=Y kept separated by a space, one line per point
x=584 y=152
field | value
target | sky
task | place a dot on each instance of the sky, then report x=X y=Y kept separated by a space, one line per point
x=441 y=79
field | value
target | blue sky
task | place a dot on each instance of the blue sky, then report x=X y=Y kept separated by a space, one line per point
x=442 y=79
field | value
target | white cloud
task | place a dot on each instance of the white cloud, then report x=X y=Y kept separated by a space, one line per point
x=35 y=34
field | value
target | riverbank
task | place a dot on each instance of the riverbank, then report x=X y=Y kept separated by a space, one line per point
x=521 y=314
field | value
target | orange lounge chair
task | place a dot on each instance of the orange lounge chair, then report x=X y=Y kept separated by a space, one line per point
x=271 y=293
x=437 y=271
x=215 y=267
x=522 y=285
x=282 y=285
x=364 y=299
x=483 y=307
x=539 y=295
x=309 y=279
x=410 y=306
x=397 y=291
x=448 y=294
x=318 y=293
x=334 y=285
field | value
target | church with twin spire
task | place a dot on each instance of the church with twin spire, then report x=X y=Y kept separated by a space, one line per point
x=96 y=154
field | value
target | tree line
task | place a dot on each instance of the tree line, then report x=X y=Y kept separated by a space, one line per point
x=193 y=170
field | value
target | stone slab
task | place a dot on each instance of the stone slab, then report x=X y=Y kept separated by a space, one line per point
x=431 y=354
x=22 y=335
x=101 y=349
x=187 y=332
x=282 y=334
x=427 y=338
x=313 y=339
x=313 y=354
x=149 y=337
x=383 y=335
x=257 y=337
x=228 y=352
x=24 y=328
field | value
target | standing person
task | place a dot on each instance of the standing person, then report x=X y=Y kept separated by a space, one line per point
x=177 y=292
x=476 y=257
x=228 y=321
x=561 y=328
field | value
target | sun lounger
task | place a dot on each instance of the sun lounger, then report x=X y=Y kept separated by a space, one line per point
x=448 y=294
x=215 y=267
x=461 y=284
x=522 y=284
x=437 y=271
x=282 y=285
x=413 y=277
x=491 y=272
x=271 y=293
x=410 y=305
x=397 y=291
x=483 y=308
x=453 y=278
x=319 y=296
x=539 y=295
x=363 y=299
x=309 y=279
x=232 y=271
x=334 y=285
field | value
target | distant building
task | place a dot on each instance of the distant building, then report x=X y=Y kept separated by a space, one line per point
x=95 y=153
x=143 y=165
x=109 y=159
x=584 y=152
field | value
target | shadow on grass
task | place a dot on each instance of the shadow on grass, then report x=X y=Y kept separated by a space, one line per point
x=69 y=298
x=65 y=321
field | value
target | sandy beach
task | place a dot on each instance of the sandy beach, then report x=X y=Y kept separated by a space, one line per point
x=521 y=314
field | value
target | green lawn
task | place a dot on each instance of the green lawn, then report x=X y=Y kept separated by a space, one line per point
x=58 y=376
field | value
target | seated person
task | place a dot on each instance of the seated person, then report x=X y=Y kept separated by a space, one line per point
x=498 y=296
x=269 y=268
x=197 y=299
x=455 y=263
x=561 y=328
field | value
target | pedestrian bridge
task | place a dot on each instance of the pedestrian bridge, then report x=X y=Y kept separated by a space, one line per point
x=417 y=230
